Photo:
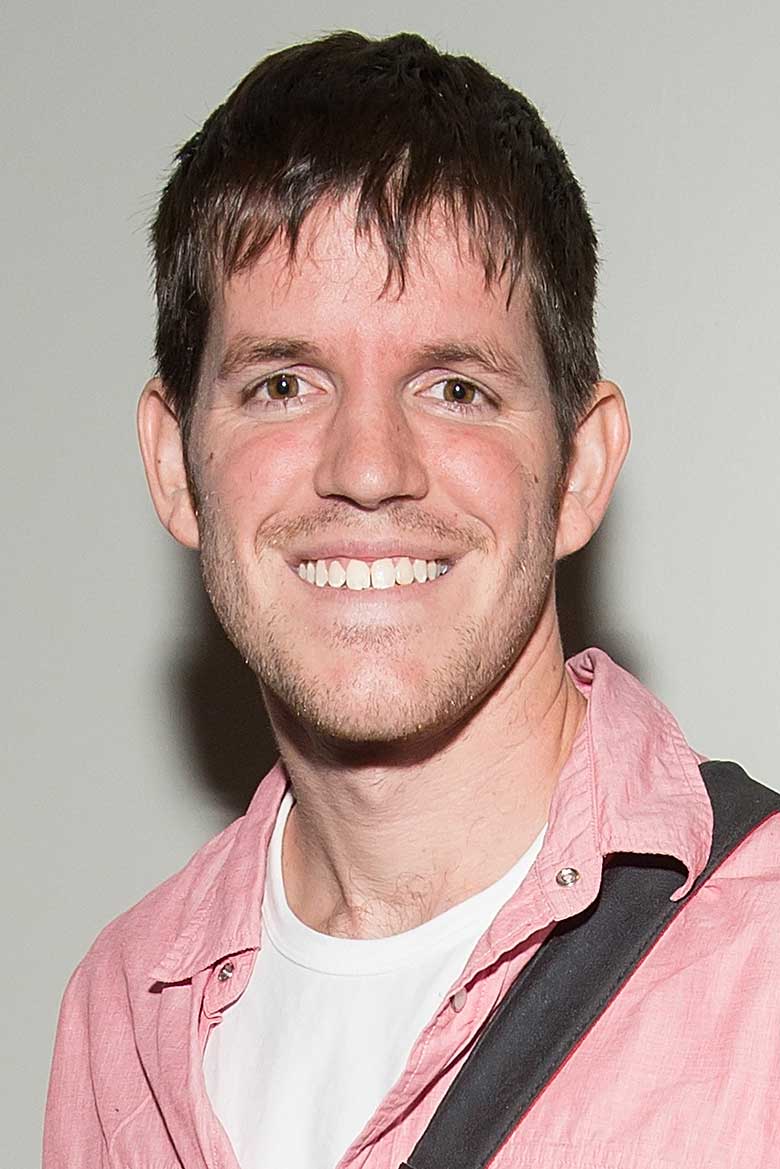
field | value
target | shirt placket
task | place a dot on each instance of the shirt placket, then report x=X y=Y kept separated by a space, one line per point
x=552 y=892
x=193 y=1124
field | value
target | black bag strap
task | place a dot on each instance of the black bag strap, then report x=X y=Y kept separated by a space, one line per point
x=569 y=982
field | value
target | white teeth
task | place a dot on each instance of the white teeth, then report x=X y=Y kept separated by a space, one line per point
x=358 y=575
x=382 y=574
x=385 y=573
x=336 y=575
x=403 y=571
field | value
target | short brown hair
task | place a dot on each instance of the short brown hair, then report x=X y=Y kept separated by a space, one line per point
x=402 y=127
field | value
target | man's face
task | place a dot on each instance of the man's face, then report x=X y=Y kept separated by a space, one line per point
x=345 y=430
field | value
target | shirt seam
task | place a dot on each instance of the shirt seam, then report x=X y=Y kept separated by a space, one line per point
x=127 y=1120
x=595 y=823
x=383 y=1112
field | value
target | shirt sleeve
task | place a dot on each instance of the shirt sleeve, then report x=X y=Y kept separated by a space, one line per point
x=73 y=1137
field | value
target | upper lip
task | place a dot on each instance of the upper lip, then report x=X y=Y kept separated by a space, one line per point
x=371 y=550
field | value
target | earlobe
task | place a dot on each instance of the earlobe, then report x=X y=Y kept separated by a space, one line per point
x=162 y=451
x=599 y=450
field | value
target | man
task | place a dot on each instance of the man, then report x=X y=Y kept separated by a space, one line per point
x=379 y=417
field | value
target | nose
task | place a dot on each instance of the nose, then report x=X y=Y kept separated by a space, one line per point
x=370 y=453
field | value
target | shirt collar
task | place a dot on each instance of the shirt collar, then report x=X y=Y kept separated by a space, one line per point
x=630 y=784
x=648 y=794
x=226 y=919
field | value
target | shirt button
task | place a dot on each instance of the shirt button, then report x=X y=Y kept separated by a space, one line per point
x=226 y=971
x=567 y=877
x=458 y=1000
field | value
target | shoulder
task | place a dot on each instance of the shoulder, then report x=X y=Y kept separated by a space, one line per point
x=756 y=860
x=741 y=899
x=737 y=798
x=739 y=801
x=135 y=940
x=208 y=901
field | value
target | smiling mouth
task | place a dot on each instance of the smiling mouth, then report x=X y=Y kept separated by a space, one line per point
x=359 y=575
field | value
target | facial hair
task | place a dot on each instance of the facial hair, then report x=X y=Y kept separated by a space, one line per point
x=441 y=692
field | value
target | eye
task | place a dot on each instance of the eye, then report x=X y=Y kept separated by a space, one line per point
x=282 y=386
x=454 y=390
x=459 y=395
x=278 y=393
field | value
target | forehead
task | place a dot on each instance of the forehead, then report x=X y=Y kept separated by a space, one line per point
x=339 y=285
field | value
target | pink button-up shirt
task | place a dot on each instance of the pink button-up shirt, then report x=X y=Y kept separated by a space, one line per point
x=681 y=1072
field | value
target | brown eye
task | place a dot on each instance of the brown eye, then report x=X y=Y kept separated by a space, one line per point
x=457 y=391
x=281 y=386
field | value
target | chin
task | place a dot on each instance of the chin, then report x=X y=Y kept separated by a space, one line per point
x=401 y=698
x=385 y=683
x=373 y=705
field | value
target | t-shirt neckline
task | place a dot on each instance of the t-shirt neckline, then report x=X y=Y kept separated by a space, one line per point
x=363 y=957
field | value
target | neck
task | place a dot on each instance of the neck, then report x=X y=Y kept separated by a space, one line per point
x=374 y=848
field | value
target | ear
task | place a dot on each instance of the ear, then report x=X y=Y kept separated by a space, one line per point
x=599 y=449
x=163 y=454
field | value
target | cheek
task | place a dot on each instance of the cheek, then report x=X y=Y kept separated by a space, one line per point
x=497 y=477
x=258 y=475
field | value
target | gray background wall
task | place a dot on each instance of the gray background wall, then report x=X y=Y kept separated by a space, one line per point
x=131 y=734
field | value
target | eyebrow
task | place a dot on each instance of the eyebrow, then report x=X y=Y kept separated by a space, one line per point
x=246 y=351
x=487 y=355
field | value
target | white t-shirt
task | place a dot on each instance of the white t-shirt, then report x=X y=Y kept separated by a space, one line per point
x=300 y=1062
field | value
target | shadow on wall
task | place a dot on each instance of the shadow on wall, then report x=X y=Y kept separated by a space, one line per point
x=581 y=606
x=227 y=739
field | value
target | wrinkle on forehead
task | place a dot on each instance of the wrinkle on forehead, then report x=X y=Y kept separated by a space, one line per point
x=336 y=259
x=338 y=219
